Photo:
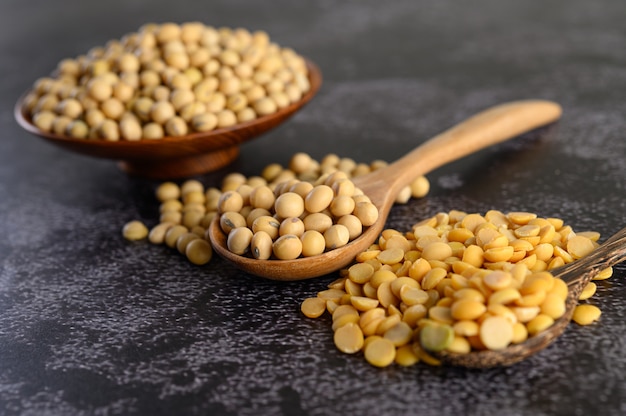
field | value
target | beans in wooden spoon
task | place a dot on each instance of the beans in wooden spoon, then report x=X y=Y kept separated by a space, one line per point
x=576 y=274
x=486 y=128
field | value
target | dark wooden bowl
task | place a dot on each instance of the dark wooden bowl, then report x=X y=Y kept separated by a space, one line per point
x=175 y=157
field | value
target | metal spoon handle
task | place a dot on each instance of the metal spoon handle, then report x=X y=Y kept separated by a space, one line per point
x=578 y=273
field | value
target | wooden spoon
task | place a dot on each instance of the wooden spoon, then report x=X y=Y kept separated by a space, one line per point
x=576 y=274
x=489 y=127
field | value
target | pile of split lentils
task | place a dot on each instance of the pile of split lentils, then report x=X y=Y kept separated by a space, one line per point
x=456 y=282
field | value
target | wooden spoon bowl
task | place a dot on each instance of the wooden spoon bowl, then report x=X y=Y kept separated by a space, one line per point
x=576 y=274
x=489 y=127
x=175 y=157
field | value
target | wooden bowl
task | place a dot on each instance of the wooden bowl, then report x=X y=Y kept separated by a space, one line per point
x=175 y=157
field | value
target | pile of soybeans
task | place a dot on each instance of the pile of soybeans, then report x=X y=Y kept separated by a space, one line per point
x=168 y=80
x=186 y=210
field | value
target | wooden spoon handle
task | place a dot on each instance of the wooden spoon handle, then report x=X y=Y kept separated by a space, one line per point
x=484 y=129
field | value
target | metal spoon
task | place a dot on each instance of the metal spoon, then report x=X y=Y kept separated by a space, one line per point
x=576 y=274
x=488 y=127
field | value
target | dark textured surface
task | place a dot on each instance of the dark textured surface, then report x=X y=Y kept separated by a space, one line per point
x=92 y=324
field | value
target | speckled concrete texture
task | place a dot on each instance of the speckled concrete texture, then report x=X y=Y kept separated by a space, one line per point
x=91 y=324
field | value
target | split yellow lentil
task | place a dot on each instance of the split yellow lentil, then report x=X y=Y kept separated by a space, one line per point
x=586 y=314
x=241 y=201
x=436 y=287
x=158 y=81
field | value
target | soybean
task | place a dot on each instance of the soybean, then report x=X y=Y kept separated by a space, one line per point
x=135 y=230
x=181 y=79
x=239 y=239
x=287 y=247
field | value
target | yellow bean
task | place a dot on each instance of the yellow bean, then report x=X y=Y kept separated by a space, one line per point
x=537 y=282
x=526 y=313
x=405 y=356
x=385 y=296
x=344 y=319
x=319 y=198
x=579 y=246
x=287 y=247
x=419 y=269
x=521 y=218
x=441 y=314
x=419 y=187
x=167 y=191
x=349 y=338
x=399 y=334
x=268 y=224
x=230 y=201
x=288 y=205
x=318 y=222
x=336 y=236
x=313 y=243
x=413 y=295
x=436 y=251
x=498 y=254
x=496 y=332
x=363 y=304
x=366 y=212
x=604 y=274
x=466 y=328
x=553 y=306
x=360 y=273
x=135 y=230
x=465 y=309
x=539 y=324
x=380 y=352
x=387 y=323
x=331 y=294
x=498 y=279
x=473 y=255
x=238 y=240
x=588 y=291
x=433 y=277
x=230 y=220
x=184 y=240
x=157 y=233
x=586 y=314
x=353 y=289
x=172 y=234
x=261 y=245
x=520 y=333
x=313 y=307
x=391 y=256
x=529 y=230
x=199 y=252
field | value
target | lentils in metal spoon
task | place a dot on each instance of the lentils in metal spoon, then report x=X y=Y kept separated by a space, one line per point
x=441 y=284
